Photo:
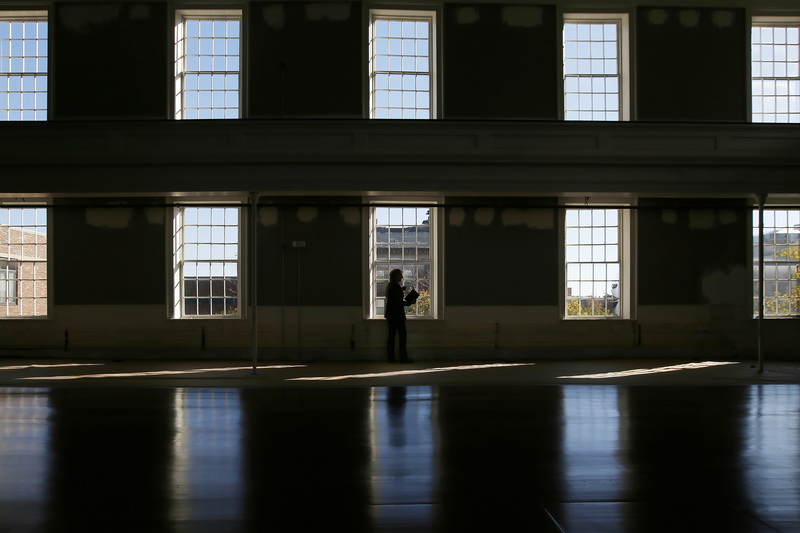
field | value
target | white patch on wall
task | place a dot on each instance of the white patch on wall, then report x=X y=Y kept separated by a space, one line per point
x=268 y=216
x=154 y=215
x=533 y=218
x=725 y=288
x=274 y=15
x=689 y=18
x=727 y=216
x=80 y=18
x=351 y=215
x=722 y=19
x=467 y=15
x=669 y=216
x=334 y=11
x=457 y=217
x=522 y=16
x=109 y=217
x=484 y=216
x=139 y=11
x=306 y=214
x=657 y=17
x=702 y=218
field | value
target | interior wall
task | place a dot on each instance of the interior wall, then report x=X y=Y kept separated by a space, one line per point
x=691 y=64
x=502 y=53
x=310 y=255
x=305 y=60
x=109 y=60
x=108 y=255
x=694 y=256
x=502 y=255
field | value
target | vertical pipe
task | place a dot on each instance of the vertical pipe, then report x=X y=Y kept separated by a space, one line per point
x=253 y=218
x=761 y=199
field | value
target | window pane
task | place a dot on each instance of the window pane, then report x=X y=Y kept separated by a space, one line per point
x=410 y=228
x=781 y=263
x=23 y=68
x=591 y=70
x=592 y=262
x=401 y=56
x=209 y=268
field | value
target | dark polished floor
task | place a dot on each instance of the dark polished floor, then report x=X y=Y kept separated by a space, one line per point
x=409 y=458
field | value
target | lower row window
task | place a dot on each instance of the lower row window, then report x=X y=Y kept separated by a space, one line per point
x=206 y=261
x=781 y=263
x=23 y=262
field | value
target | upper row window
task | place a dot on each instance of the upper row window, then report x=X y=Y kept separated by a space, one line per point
x=207 y=66
x=402 y=66
x=23 y=65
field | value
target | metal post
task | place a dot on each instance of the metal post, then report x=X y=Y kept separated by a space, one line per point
x=253 y=218
x=761 y=200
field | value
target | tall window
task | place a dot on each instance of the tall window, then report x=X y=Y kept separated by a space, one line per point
x=207 y=71
x=594 y=261
x=23 y=261
x=401 y=64
x=775 y=54
x=23 y=65
x=595 y=67
x=206 y=262
x=402 y=237
x=781 y=263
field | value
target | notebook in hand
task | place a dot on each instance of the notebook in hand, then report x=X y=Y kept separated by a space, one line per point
x=411 y=297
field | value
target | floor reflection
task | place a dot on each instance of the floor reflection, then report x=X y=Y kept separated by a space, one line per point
x=206 y=474
x=403 y=468
x=771 y=453
x=24 y=458
x=460 y=458
x=594 y=477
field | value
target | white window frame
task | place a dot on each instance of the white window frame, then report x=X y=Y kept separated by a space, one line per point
x=376 y=289
x=179 y=261
x=625 y=254
x=20 y=252
x=32 y=81
x=622 y=20
x=180 y=64
x=404 y=15
x=777 y=272
x=792 y=83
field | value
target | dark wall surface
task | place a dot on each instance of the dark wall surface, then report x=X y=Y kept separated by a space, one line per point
x=500 y=61
x=327 y=271
x=305 y=60
x=678 y=248
x=502 y=255
x=690 y=64
x=108 y=255
x=109 y=60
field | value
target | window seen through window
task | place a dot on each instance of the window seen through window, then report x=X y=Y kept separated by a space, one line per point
x=775 y=51
x=23 y=66
x=592 y=69
x=401 y=66
x=206 y=261
x=23 y=262
x=781 y=263
x=593 y=265
x=207 y=69
x=401 y=238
